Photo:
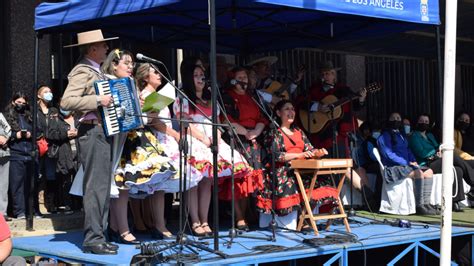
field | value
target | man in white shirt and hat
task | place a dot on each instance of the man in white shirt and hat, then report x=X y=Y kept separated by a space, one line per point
x=263 y=70
x=94 y=146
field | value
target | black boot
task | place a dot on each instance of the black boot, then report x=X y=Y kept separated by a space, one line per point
x=457 y=207
x=433 y=208
x=423 y=210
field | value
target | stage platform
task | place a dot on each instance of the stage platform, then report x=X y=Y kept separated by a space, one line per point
x=391 y=244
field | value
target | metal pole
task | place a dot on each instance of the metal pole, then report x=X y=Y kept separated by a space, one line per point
x=212 y=61
x=439 y=109
x=448 y=128
x=34 y=152
x=60 y=65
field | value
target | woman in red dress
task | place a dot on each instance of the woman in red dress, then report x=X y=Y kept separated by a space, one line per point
x=289 y=143
x=249 y=124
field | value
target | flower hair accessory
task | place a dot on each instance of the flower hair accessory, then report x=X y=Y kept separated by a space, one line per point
x=117 y=53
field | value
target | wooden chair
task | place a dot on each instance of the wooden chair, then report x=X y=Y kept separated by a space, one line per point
x=321 y=167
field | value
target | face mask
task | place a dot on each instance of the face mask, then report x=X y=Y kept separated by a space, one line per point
x=64 y=112
x=407 y=129
x=422 y=127
x=48 y=96
x=145 y=93
x=461 y=125
x=375 y=135
x=394 y=124
x=20 y=108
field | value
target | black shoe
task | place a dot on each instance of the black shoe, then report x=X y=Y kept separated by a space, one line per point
x=127 y=242
x=157 y=234
x=112 y=246
x=7 y=218
x=457 y=208
x=244 y=227
x=99 y=249
x=470 y=195
x=433 y=208
x=423 y=210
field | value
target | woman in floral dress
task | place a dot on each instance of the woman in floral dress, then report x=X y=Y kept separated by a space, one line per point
x=195 y=88
x=289 y=143
x=142 y=162
x=148 y=80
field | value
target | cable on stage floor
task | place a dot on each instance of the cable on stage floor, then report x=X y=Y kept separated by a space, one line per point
x=330 y=240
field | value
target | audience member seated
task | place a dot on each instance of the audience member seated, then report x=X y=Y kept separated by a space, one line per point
x=464 y=145
x=426 y=150
x=400 y=163
x=462 y=136
x=366 y=161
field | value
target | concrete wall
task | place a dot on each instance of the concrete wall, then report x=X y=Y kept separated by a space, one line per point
x=19 y=50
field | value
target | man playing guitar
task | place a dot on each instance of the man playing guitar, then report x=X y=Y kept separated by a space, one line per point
x=343 y=124
x=268 y=89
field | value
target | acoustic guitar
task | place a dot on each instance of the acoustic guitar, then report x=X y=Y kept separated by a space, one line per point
x=281 y=90
x=275 y=88
x=319 y=119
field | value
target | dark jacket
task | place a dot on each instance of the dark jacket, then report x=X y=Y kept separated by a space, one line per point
x=66 y=161
x=20 y=148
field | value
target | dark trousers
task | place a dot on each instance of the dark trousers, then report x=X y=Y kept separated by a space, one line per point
x=20 y=176
x=95 y=157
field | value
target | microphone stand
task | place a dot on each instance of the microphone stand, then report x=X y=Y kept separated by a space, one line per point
x=335 y=146
x=352 y=212
x=233 y=232
x=182 y=239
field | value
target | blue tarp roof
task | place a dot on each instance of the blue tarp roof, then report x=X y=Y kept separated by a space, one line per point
x=243 y=26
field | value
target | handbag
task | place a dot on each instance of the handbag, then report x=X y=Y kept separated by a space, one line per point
x=53 y=150
x=42 y=146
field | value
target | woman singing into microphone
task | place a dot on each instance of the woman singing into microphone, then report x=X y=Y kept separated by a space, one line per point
x=195 y=88
x=249 y=123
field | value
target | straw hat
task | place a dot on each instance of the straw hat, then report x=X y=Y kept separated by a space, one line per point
x=326 y=66
x=89 y=37
x=270 y=59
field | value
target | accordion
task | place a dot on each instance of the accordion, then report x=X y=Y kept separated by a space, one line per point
x=125 y=113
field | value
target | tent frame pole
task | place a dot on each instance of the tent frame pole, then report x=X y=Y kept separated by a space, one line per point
x=448 y=130
x=212 y=61
x=439 y=62
x=34 y=152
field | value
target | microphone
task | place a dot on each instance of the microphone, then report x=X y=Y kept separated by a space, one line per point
x=148 y=59
x=235 y=82
x=203 y=79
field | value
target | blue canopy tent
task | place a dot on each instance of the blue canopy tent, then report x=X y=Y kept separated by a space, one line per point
x=236 y=26
x=243 y=26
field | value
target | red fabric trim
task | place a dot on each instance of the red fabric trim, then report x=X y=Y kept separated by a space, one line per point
x=243 y=187
x=318 y=194
x=281 y=203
